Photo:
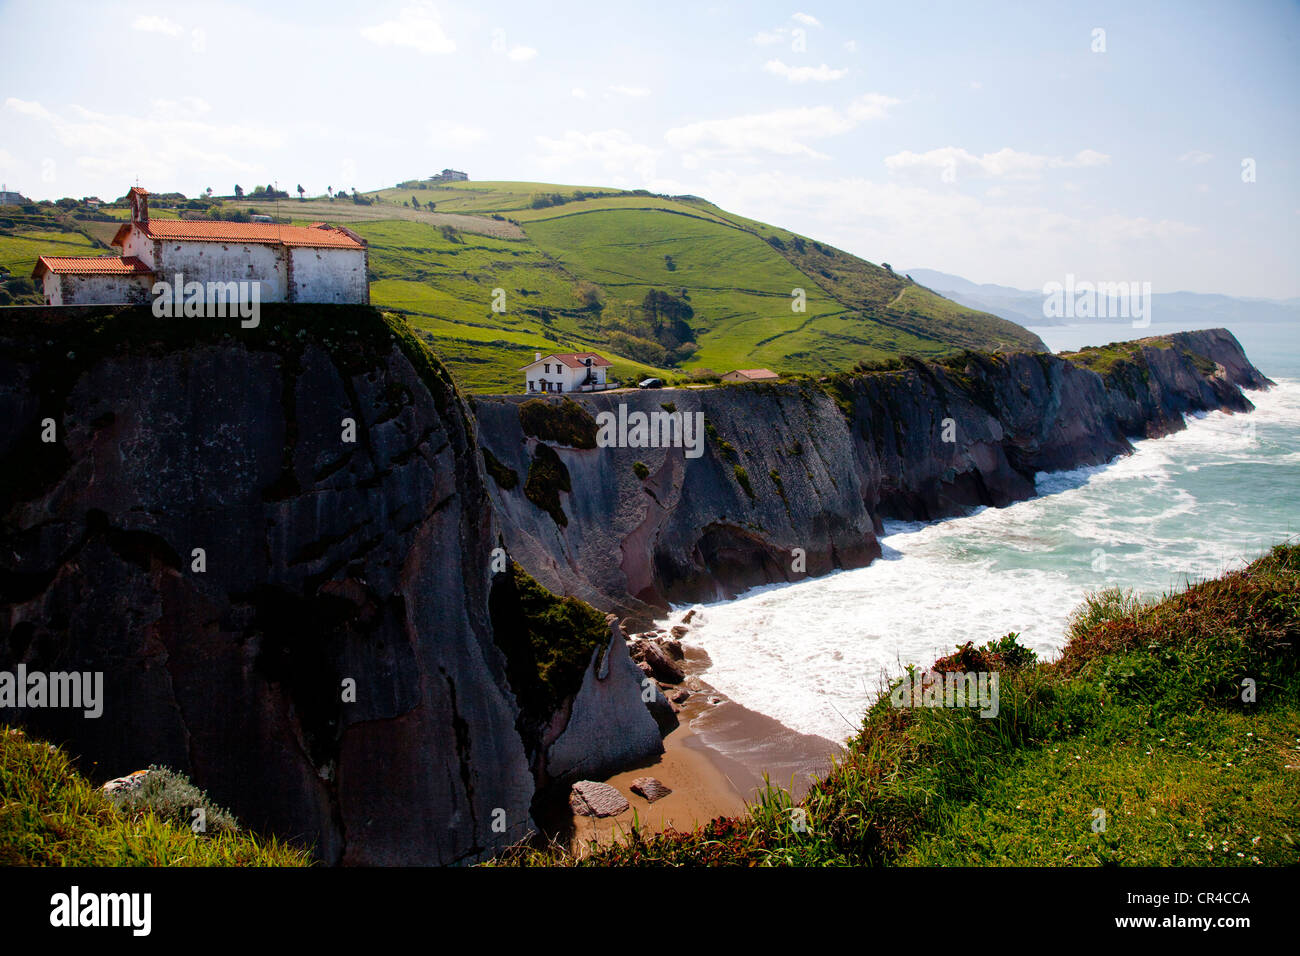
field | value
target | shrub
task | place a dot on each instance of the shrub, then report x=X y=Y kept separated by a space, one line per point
x=547 y=477
x=548 y=640
x=640 y=470
x=564 y=422
x=742 y=477
x=505 y=477
x=171 y=797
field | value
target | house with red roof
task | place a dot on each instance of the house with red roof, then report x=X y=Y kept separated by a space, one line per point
x=316 y=263
x=566 y=372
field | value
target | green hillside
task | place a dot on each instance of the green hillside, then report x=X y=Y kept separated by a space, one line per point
x=670 y=286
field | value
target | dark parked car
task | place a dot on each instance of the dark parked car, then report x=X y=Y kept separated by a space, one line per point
x=650 y=383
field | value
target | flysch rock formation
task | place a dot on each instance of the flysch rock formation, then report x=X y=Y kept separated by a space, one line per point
x=298 y=622
x=826 y=462
x=277 y=545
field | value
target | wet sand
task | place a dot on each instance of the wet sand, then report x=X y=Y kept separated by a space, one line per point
x=713 y=762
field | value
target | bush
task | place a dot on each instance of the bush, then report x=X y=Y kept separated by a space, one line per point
x=564 y=422
x=171 y=797
x=547 y=477
x=640 y=470
x=742 y=477
x=505 y=477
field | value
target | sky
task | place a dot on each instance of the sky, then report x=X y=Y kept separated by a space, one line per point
x=1007 y=143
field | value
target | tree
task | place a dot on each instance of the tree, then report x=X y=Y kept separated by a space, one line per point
x=415 y=202
x=208 y=192
x=301 y=191
x=239 y=191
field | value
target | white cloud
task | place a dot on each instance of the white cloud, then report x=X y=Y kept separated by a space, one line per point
x=785 y=132
x=1005 y=163
x=152 y=24
x=1196 y=157
x=169 y=144
x=521 y=54
x=611 y=152
x=636 y=91
x=418 y=27
x=806 y=19
x=579 y=92
x=851 y=46
x=802 y=74
x=29 y=108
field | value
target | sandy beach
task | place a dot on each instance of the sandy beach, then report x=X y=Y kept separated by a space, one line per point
x=713 y=762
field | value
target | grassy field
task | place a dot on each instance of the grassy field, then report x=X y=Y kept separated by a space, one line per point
x=1166 y=734
x=52 y=816
x=575 y=265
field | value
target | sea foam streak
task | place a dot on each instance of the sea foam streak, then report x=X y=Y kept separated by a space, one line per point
x=1192 y=505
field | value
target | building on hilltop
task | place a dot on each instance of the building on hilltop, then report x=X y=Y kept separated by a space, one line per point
x=8 y=198
x=316 y=263
x=566 y=372
x=450 y=176
x=752 y=375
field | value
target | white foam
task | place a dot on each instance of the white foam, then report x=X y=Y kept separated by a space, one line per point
x=814 y=655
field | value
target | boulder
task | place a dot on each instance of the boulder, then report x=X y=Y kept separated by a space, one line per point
x=673 y=648
x=661 y=665
x=132 y=781
x=680 y=630
x=686 y=618
x=606 y=728
x=679 y=695
x=590 y=798
x=650 y=788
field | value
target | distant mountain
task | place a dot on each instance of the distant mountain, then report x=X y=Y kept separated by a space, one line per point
x=1183 y=309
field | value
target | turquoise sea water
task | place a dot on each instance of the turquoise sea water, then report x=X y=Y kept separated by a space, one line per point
x=1182 y=508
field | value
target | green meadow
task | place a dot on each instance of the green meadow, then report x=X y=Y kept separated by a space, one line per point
x=496 y=271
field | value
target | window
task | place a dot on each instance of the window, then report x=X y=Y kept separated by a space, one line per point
x=546 y=369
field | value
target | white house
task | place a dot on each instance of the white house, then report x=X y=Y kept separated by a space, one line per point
x=316 y=263
x=566 y=372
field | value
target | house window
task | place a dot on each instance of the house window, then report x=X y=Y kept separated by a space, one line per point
x=546 y=369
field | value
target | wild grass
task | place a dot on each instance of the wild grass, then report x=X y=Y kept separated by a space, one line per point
x=52 y=816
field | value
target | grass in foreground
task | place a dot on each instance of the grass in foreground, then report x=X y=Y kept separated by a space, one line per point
x=1141 y=745
x=52 y=816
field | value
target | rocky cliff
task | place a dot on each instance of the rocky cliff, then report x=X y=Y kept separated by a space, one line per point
x=309 y=574
x=795 y=478
x=277 y=546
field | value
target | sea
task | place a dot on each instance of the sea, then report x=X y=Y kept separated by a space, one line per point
x=815 y=654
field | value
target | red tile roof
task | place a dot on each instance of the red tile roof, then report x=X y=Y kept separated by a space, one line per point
x=193 y=230
x=90 y=265
x=574 y=359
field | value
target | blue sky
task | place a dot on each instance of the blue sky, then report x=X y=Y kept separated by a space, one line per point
x=994 y=143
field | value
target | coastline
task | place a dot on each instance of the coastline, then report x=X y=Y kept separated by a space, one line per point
x=714 y=762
